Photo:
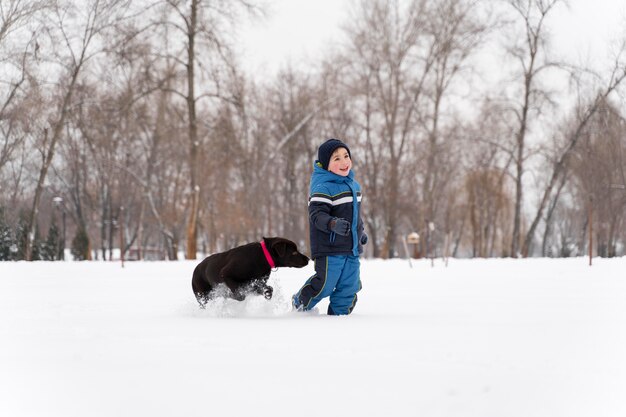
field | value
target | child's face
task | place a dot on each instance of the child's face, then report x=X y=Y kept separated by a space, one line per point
x=340 y=162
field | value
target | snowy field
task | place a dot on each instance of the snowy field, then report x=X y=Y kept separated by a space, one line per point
x=484 y=338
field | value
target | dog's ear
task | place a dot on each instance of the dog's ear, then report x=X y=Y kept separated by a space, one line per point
x=280 y=248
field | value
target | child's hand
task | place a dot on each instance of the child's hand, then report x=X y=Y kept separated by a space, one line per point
x=339 y=226
x=364 y=238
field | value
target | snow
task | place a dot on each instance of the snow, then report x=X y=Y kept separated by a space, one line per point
x=535 y=337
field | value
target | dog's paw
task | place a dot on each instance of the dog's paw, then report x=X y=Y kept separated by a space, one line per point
x=268 y=292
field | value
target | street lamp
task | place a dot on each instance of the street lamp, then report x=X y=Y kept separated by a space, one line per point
x=58 y=202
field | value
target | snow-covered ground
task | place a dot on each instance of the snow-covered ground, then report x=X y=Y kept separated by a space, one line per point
x=500 y=338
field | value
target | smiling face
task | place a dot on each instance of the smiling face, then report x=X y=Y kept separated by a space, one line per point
x=340 y=162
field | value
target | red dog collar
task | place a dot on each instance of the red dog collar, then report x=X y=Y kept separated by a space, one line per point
x=267 y=255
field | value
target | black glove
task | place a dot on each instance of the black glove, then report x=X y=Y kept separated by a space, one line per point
x=364 y=238
x=339 y=226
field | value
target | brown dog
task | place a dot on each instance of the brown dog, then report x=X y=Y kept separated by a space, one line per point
x=245 y=268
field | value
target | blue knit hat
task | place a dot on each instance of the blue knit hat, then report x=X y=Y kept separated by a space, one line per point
x=326 y=150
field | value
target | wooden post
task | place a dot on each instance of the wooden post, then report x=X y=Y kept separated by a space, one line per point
x=427 y=254
x=431 y=231
x=120 y=224
x=446 y=251
x=590 y=228
x=406 y=250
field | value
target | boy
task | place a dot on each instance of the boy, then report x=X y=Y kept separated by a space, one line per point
x=336 y=232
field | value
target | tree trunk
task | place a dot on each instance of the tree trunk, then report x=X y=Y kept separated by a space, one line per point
x=194 y=189
x=43 y=172
x=549 y=217
x=519 y=164
x=392 y=211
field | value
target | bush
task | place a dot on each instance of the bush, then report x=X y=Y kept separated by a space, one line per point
x=6 y=238
x=80 y=245
x=50 y=248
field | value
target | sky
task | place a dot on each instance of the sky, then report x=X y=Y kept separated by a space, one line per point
x=297 y=31
x=294 y=31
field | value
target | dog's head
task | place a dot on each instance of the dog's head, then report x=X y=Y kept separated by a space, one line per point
x=285 y=252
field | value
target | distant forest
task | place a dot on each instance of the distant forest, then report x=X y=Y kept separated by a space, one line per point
x=133 y=125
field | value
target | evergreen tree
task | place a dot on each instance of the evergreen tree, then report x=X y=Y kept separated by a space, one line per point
x=21 y=233
x=38 y=245
x=21 y=230
x=80 y=245
x=50 y=248
x=6 y=238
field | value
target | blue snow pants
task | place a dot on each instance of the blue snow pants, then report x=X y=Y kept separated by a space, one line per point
x=337 y=276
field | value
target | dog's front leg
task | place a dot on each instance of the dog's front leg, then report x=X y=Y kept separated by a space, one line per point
x=227 y=274
x=260 y=287
x=235 y=289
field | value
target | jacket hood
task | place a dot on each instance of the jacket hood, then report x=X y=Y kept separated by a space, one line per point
x=320 y=175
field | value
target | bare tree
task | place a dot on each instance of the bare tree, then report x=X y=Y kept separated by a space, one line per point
x=77 y=36
x=393 y=59
x=560 y=161
x=596 y=160
x=489 y=201
x=404 y=59
x=529 y=54
x=456 y=34
x=18 y=48
x=551 y=214
x=140 y=118
x=204 y=55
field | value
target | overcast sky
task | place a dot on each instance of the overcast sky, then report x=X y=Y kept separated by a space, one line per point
x=299 y=30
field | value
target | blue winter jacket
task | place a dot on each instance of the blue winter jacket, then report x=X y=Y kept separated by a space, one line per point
x=331 y=196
